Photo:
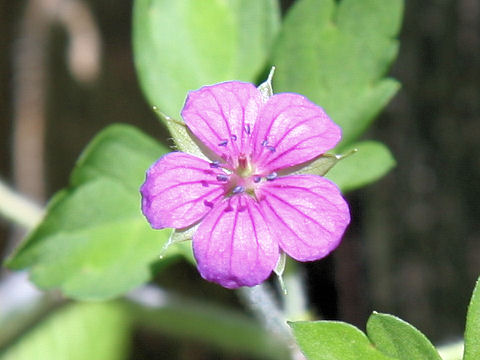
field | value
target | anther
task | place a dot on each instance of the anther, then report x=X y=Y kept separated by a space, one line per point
x=271 y=148
x=223 y=143
x=208 y=203
x=215 y=164
x=256 y=179
x=264 y=142
x=271 y=176
x=238 y=189
x=234 y=137
x=222 y=177
x=204 y=183
x=247 y=128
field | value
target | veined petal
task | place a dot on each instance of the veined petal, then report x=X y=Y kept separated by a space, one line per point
x=222 y=116
x=179 y=190
x=307 y=214
x=233 y=245
x=291 y=130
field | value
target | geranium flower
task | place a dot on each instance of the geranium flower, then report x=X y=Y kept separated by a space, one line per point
x=247 y=208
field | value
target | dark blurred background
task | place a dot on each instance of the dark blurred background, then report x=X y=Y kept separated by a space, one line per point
x=414 y=245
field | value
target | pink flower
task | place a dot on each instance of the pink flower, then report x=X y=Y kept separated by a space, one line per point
x=247 y=208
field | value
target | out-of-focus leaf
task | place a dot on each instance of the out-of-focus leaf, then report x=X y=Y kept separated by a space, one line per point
x=76 y=332
x=398 y=339
x=472 y=329
x=94 y=242
x=371 y=161
x=337 y=55
x=182 y=45
x=332 y=340
x=211 y=324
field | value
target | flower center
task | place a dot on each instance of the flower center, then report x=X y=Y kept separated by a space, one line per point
x=244 y=178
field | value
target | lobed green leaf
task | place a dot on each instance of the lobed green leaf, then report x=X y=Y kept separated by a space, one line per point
x=94 y=242
x=337 y=55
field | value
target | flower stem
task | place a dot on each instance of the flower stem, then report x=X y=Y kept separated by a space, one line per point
x=261 y=301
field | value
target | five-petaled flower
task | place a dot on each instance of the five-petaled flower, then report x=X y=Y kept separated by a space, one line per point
x=247 y=208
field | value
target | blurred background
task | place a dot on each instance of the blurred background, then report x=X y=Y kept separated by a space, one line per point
x=413 y=248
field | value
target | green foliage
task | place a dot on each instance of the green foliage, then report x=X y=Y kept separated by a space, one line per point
x=372 y=161
x=76 y=332
x=331 y=340
x=398 y=339
x=183 y=45
x=94 y=242
x=388 y=338
x=472 y=329
x=337 y=55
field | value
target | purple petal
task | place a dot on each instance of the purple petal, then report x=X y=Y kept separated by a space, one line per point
x=233 y=245
x=179 y=190
x=220 y=115
x=291 y=130
x=307 y=213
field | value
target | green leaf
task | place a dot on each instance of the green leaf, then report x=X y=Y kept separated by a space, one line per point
x=371 y=161
x=76 y=332
x=332 y=340
x=337 y=55
x=398 y=339
x=182 y=45
x=94 y=242
x=472 y=329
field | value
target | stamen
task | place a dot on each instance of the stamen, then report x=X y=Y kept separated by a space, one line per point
x=271 y=176
x=208 y=203
x=256 y=179
x=222 y=177
x=238 y=189
x=247 y=128
x=234 y=137
x=215 y=164
x=223 y=142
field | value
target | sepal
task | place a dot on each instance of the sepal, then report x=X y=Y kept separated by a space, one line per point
x=266 y=87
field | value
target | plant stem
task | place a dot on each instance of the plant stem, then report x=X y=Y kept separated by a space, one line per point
x=261 y=301
x=451 y=351
x=19 y=209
